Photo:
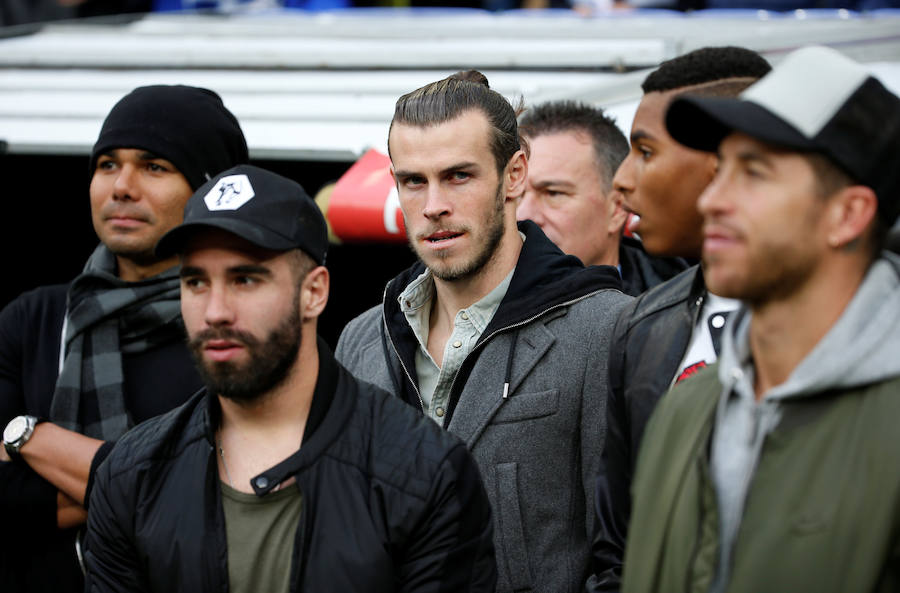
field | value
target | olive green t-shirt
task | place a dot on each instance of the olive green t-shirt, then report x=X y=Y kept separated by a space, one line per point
x=260 y=532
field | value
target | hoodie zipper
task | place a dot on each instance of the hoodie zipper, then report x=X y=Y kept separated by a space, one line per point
x=400 y=358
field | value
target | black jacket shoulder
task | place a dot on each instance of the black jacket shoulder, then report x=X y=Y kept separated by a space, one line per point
x=642 y=271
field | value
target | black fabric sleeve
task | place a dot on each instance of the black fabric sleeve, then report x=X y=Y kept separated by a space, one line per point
x=452 y=549
x=612 y=498
x=101 y=454
x=25 y=497
x=110 y=556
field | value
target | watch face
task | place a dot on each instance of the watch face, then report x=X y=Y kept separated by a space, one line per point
x=15 y=429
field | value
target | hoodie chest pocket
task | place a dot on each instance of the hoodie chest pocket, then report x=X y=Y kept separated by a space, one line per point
x=527 y=406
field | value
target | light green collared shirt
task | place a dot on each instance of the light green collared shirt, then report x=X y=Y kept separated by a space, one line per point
x=468 y=325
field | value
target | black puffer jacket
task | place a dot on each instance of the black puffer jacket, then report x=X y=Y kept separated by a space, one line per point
x=390 y=501
x=651 y=337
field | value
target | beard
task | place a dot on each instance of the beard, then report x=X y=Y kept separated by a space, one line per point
x=492 y=235
x=270 y=361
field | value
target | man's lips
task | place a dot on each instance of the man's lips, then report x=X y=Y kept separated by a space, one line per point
x=441 y=239
x=222 y=350
x=125 y=220
x=718 y=237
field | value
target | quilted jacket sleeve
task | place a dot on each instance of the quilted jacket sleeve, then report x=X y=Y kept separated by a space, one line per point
x=110 y=556
x=452 y=548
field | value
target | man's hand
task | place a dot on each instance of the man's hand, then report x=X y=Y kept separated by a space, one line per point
x=3 y=454
x=68 y=512
x=62 y=457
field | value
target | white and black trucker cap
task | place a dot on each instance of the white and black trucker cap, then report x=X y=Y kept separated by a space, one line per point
x=815 y=100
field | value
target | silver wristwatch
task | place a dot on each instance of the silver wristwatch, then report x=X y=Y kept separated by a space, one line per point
x=17 y=433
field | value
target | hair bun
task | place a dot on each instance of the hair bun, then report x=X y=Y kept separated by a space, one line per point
x=471 y=76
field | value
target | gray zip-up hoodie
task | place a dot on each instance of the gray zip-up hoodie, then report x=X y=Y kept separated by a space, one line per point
x=862 y=347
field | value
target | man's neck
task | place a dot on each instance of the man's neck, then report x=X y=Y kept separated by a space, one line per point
x=609 y=257
x=784 y=331
x=451 y=297
x=131 y=271
x=257 y=436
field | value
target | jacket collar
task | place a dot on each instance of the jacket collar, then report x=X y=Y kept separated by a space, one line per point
x=544 y=278
x=327 y=416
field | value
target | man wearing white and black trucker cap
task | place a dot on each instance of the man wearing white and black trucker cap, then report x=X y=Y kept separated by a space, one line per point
x=778 y=468
x=285 y=473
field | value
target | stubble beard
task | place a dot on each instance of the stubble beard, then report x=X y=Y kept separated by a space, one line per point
x=270 y=360
x=493 y=230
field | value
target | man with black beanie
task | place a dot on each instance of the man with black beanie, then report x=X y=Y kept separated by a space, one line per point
x=106 y=351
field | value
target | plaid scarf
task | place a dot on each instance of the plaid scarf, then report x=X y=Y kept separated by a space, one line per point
x=106 y=316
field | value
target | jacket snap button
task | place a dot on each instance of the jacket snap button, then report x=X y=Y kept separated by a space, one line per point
x=262 y=482
x=439 y=412
x=457 y=344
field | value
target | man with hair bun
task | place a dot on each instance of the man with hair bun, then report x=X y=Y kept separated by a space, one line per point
x=106 y=351
x=494 y=334
x=671 y=331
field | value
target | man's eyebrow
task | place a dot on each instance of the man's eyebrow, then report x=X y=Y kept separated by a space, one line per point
x=553 y=182
x=444 y=171
x=639 y=135
x=149 y=156
x=459 y=166
x=245 y=269
x=755 y=156
x=190 y=271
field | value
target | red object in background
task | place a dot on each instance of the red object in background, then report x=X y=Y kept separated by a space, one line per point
x=364 y=204
x=626 y=230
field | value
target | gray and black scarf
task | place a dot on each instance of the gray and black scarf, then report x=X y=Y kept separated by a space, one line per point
x=106 y=317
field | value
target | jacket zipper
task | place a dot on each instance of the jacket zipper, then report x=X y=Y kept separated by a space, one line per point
x=478 y=345
x=299 y=554
x=400 y=358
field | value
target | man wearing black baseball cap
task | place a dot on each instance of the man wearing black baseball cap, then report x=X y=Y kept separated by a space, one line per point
x=285 y=473
x=778 y=468
x=105 y=351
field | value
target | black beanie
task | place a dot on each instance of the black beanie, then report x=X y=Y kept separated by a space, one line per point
x=188 y=126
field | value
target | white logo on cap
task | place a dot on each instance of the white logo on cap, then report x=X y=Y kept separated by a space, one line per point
x=230 y=193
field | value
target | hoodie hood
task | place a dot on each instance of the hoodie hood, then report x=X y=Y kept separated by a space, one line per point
x=860 y=348
x=544 y=278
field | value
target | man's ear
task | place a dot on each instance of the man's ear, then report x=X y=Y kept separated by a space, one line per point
x=394 y=177
x=616 y=213
x=314 y=293
x=850 y=212
x=516 y=174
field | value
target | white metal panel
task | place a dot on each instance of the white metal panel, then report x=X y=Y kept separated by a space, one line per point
x=323 y=86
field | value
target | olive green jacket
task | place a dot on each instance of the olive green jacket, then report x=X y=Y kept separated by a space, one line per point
x=822 y=513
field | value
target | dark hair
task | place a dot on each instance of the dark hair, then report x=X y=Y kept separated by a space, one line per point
x=610 y=145
x=301 y=264
x=706 y=65
x=447 y=99
x=831 y=178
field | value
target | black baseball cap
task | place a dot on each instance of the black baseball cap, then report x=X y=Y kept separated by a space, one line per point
x=259 y=206
x=815 y=100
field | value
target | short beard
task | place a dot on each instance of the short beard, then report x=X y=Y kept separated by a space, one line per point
x=270 y=360
x=494 y=235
